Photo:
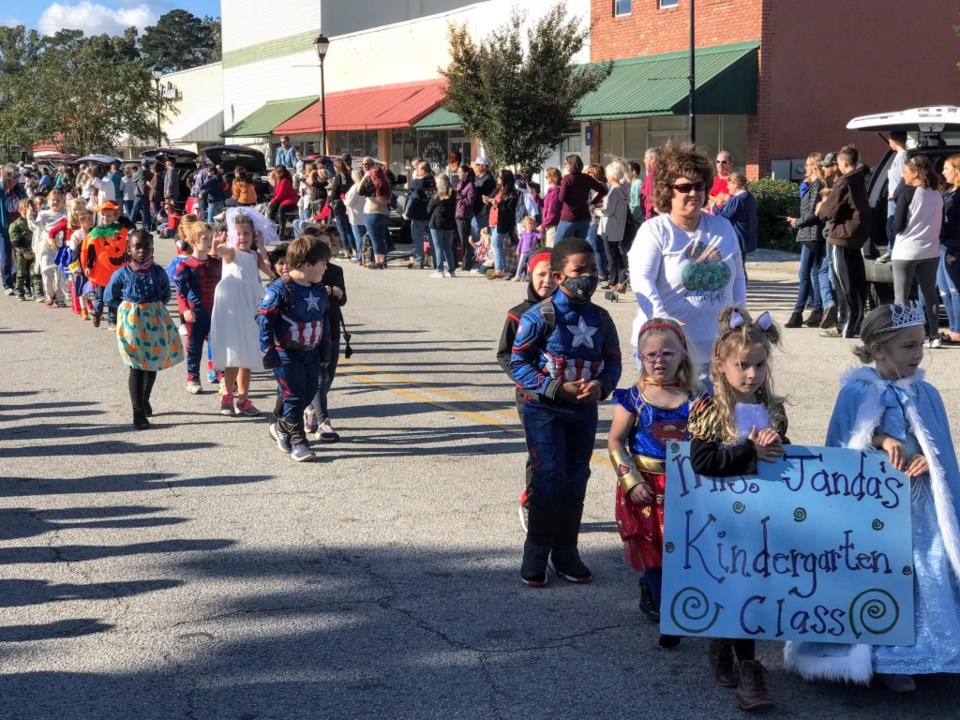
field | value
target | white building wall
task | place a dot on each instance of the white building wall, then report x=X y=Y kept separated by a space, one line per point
x=248 y=22
x=403 y=52
x=200 y=92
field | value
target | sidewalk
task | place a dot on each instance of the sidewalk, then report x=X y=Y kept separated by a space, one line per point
x=774 y=263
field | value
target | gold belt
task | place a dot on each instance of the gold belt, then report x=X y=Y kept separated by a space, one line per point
x=645 y=463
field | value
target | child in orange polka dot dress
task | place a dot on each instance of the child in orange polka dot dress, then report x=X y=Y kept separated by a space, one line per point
x=147 y=338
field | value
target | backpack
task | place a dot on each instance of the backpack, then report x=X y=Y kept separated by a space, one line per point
x=549 y=314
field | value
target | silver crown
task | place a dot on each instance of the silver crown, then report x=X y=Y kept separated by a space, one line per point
x=909 y=314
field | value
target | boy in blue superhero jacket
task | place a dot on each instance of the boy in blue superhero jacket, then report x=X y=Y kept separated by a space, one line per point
x=566 y=356
x=295 y=339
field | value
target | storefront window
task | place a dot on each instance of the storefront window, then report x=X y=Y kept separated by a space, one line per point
x=358 y=143
x=432 y=146
x=402 y=150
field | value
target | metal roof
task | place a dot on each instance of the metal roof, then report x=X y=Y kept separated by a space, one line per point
x=440 y=119
x=264 y=119
x=659 y=85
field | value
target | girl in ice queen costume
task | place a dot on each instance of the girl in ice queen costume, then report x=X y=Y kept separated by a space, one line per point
x=890 y=408
x=235 y=335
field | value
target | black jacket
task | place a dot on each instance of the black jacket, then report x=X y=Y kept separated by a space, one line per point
x=505 y=348
x=847 y=209
x=809 y=226
x=334 y=278
x=442 y=213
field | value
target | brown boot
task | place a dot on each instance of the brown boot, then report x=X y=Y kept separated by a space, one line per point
x=753 y=690
x=722 y=663
x=829 y=319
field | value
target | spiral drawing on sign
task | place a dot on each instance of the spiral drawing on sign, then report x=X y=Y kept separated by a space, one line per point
x=799 y=514
x=668 y=547
x=877 y=524
x=739 y=507
x=876 y=611
x=691 y=611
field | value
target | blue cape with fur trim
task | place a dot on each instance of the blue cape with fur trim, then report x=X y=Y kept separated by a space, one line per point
x=856 y=416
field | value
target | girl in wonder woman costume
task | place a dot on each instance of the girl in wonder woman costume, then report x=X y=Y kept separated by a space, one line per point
x=645 y=417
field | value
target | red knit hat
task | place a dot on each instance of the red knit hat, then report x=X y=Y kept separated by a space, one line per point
x=537 y=258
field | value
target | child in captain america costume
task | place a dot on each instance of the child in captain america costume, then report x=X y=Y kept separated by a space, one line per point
x=566 y=356
x=295 y=339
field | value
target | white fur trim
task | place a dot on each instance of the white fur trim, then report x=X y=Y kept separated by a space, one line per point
x=855 y=665
x=868 y=417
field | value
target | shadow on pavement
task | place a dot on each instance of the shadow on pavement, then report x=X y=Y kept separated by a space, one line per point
x=393 y=632
x=133 y=482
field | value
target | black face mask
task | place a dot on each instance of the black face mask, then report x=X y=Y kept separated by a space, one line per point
x=581 y=288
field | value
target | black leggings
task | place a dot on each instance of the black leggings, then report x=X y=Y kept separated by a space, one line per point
x=615 y=267
x=140 y=384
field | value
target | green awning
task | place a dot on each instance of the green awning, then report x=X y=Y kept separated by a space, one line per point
x=659 y=85
x=264 y=119
x=440 y=119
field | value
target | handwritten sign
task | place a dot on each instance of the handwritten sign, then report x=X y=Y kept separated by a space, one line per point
x=815 y=547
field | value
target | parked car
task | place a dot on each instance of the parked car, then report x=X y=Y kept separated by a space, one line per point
x=230 y=157
x=185 y=162
x=931 y=131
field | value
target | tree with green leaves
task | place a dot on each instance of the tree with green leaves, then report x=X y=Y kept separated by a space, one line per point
x=82 y=94
x=180 y=40
x=518 y=97
x=19 y=121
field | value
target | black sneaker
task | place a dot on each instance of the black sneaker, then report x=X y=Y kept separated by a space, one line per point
x=567 y=564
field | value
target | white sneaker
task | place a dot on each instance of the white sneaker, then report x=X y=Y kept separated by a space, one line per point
x=932 y=342
x=182 y=330
x=8 y=291
x=437 y=275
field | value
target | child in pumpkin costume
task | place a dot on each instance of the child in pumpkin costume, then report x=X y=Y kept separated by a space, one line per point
x=147 y=338
x=104 y=252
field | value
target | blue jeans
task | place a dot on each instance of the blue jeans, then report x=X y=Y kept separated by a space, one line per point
x=418 y=230
x=560 y=441
x=576 y=228
x=599 y=251
x=358 y=232
x=891 y=235
x=344 y=231
x=128 y=209
x=298 y=226
x=6 y=261
x=214 y=208
x=98 y=305
x=377 y=229
x=443 y=249
x=298 y=378
x=197 y=332
x=829 y=299
x=808 y=293
x=498 y=243
x=949 y=296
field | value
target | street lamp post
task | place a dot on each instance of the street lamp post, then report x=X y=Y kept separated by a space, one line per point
x=321 y=44
x=157 y=74
x=693 y=76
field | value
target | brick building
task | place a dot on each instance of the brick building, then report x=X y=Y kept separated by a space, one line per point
x=815 y=64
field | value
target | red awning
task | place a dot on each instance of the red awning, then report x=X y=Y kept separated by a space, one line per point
x=372 y=108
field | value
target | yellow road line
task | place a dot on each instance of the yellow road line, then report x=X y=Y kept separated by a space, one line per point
x=374 y=377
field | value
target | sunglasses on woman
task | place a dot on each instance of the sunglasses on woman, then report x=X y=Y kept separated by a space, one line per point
x=684 y=188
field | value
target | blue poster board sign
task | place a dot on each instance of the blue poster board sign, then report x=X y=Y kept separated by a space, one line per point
x=817 y=546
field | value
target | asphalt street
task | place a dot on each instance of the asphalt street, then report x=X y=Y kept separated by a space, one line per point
x=194 y=571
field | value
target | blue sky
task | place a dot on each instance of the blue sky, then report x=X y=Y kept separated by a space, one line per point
x=96 y=16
